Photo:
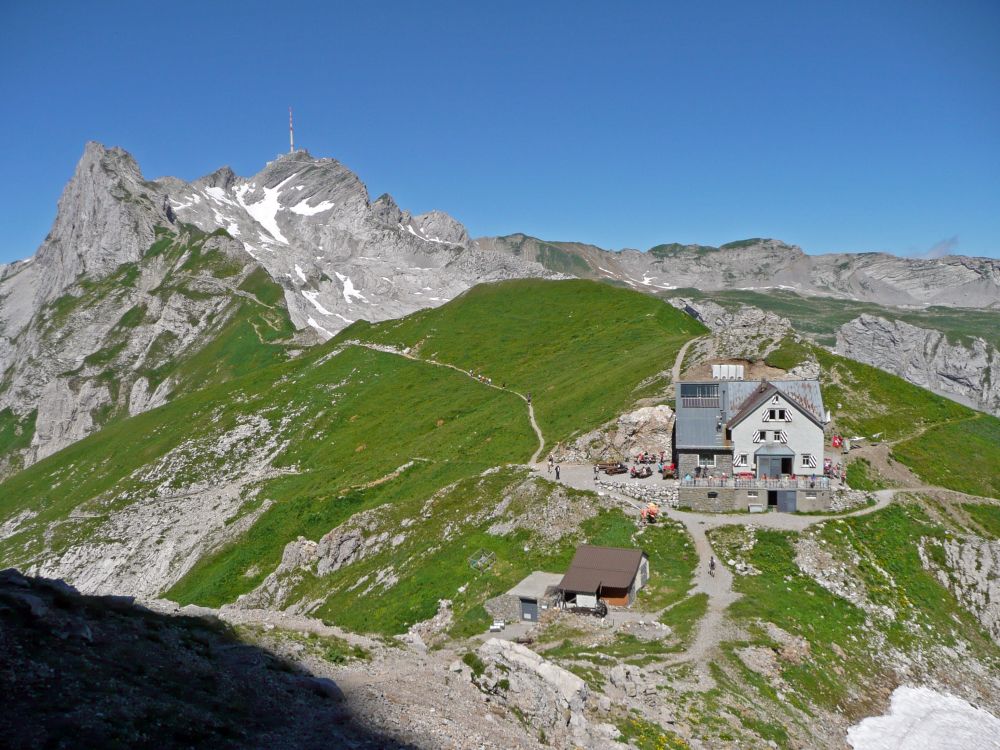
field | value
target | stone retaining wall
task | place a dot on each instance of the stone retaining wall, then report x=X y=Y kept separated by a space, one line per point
x=657 y=491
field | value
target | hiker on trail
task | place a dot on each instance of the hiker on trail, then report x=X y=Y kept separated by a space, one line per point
x=557 y=472
x=711 y=566
x=595 y=472
x=550 y=464
x=529 y=397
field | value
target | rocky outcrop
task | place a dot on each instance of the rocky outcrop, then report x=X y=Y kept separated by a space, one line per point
x=649 y=428
x=743 y=332
x=970 y=567
x=354 y=540
x=965 y=371
x=549 y=697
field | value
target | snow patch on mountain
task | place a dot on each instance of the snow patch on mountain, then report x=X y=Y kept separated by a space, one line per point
x=304 y=209
x=265 y=210
x=924 y=719
x=311 y=296
x=349 y=289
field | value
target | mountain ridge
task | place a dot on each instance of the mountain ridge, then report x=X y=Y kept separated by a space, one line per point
x=763 y=263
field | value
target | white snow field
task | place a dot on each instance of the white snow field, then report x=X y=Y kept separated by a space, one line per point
x=924 y=719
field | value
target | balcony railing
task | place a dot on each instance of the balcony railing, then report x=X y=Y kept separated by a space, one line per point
x=799 y=483
x=700 y=402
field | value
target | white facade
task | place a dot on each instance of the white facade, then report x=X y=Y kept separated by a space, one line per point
x=777 y=420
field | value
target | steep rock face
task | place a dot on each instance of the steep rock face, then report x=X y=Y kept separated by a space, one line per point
x=339 y=256
x=762 y=264
x=966 y=372
x=971 y=569
x=123 y=344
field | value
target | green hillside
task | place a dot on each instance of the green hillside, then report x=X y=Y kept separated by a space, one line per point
x=584 y=350
x=941 y=441
x=345 y=418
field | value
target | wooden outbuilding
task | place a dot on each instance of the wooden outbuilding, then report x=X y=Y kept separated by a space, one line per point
x=613 y=575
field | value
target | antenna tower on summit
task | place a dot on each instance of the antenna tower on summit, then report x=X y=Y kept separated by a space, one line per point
x=291 y=133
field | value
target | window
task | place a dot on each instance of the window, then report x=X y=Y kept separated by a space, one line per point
x=808 y=459
x=700 y=395
x=777 y=415
x=780 y=436
x=760 y=436
x=699 y=390
x=810 y=495
x=707 y=460
x=752 y=494
x=740 y=460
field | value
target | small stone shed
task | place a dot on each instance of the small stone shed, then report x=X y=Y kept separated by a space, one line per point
x=528 y=599
x=610 y=574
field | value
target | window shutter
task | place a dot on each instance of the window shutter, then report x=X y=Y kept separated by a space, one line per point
x=782 y=437
x=766 y=415
x=758 y=436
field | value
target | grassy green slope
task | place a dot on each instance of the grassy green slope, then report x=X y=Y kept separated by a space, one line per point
x=348 y=419
x=584 y=350
x=943 y=442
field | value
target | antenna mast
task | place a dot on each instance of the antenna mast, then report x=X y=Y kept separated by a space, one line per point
x=291 y=133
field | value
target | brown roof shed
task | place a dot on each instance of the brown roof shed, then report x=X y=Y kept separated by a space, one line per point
x=594 y=568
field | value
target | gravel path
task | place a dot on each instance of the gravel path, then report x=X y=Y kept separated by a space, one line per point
x=719 y=587
x=676 y=372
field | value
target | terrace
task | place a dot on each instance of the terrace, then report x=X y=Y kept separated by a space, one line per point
x=753 y=483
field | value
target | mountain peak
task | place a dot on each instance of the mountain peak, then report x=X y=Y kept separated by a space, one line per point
x=106 y=217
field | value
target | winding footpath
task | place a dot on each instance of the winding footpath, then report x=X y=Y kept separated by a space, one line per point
x=718 y=587
x=385 y=349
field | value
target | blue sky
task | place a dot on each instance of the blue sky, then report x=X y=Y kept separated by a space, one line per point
x=835 y=126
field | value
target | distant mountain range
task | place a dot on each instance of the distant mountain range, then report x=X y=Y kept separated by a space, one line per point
x=763 y=264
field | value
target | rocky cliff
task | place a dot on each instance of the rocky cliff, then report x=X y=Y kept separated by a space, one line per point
x=965 y=371
x=338 y=256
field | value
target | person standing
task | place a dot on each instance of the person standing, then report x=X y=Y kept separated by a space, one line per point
x=557 y=472
x=549 y=470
